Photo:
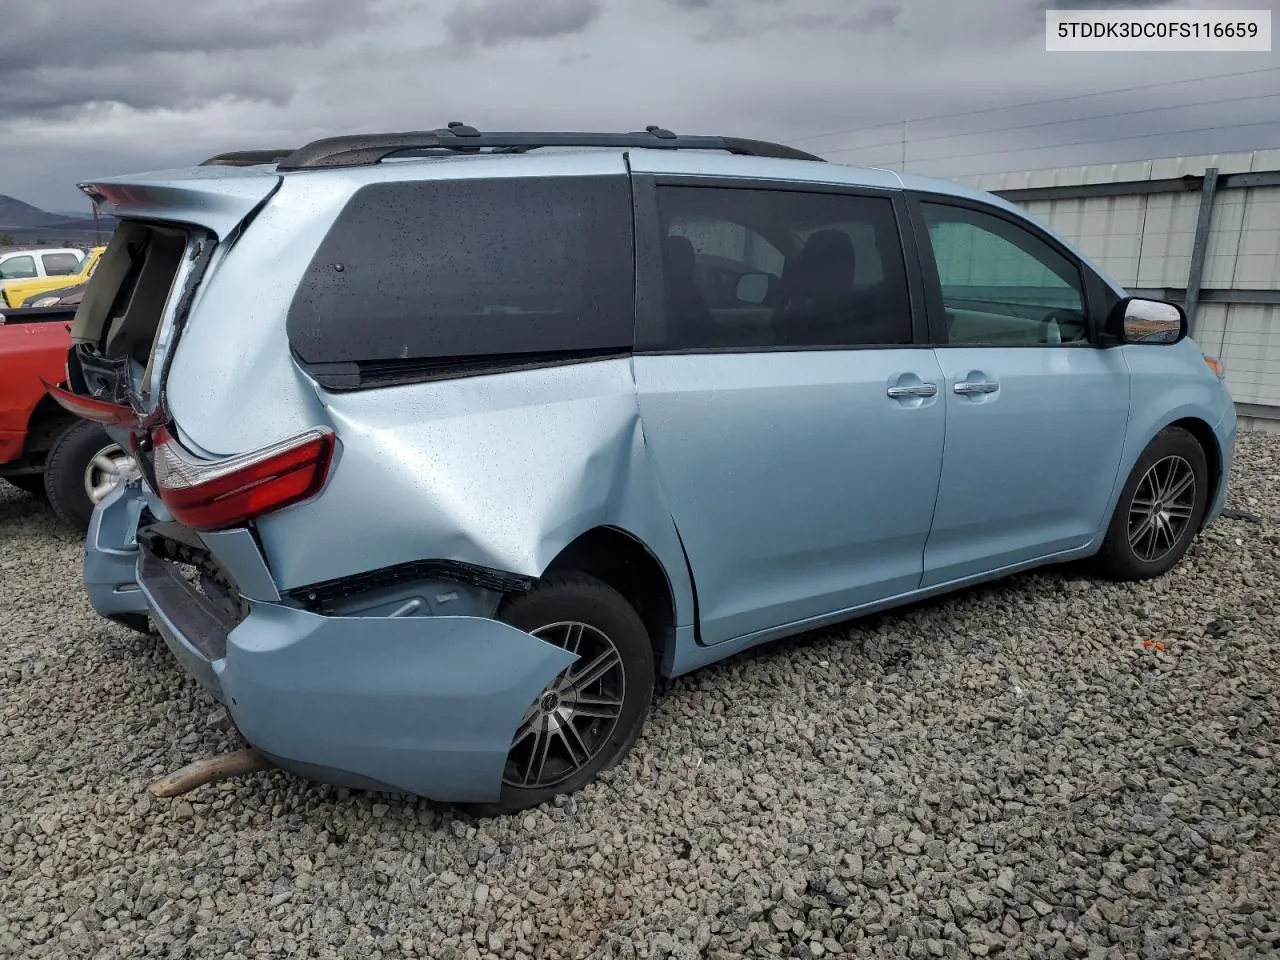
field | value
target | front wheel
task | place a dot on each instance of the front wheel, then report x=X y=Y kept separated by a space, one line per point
x=589 y=716
x=1160 y=509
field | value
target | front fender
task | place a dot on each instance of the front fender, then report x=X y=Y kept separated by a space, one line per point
x=1169 y=384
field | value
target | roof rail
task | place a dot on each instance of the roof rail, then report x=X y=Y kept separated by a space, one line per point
x=369 y=148
x=246 y=158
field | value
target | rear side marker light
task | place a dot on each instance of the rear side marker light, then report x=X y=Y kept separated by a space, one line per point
x=215 y=494
x=91 y=408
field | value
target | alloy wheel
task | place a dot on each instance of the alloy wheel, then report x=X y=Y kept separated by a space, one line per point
x=1162 y=506
x=105 y=469
x=574 y=716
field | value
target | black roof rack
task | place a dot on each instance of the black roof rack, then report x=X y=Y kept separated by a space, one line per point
x=369 y=148
x=247 y=158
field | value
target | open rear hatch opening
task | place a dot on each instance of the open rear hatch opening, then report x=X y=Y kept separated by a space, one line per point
x=133 y=296
x=125 y=326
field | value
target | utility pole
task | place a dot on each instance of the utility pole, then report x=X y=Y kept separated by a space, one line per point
x=904 y=145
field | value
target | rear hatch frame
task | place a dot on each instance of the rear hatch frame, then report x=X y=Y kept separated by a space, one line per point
x=210 y=207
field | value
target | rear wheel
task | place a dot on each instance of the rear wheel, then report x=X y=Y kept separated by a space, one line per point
x=1160 y=509
x=589 y=716
x=83 y=466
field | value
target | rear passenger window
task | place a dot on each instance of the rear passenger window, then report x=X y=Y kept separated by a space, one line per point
x=750 y=269
x=429 y=274
x=60 y=264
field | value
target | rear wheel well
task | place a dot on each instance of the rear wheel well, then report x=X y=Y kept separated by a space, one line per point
x=47 y=423
x=621 y=561
x=1209 y=444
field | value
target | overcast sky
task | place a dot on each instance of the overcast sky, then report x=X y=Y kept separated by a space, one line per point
x=100 y=89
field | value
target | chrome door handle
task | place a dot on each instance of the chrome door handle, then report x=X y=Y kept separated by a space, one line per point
x=970 y=387
x=915 y=390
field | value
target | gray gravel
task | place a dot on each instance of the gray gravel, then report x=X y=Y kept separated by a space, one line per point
x=1006 y=772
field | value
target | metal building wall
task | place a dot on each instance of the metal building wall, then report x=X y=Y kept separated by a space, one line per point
x=1143 y=232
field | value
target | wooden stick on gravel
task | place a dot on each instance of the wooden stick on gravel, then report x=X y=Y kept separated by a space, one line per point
x=210 y=769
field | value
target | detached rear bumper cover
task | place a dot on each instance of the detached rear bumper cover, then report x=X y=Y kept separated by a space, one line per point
x=111 y=554
x=422 y=705
x=427 y=705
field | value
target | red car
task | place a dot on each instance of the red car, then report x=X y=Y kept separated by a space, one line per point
x=43 y=449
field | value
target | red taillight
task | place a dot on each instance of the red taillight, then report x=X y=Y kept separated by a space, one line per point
x=214 y=494
x=90 y=408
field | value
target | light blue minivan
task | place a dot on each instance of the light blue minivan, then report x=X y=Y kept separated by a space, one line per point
x=453 y=441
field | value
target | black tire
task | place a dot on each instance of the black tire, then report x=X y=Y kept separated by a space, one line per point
x=581 y=599
x=65 y=468
x=32 y=483
x=1120 y=559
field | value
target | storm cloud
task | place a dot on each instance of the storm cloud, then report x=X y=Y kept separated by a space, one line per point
x=90 y=90
x=55 y=32
x=769 y=18
x=61 y=55
x=495 y=21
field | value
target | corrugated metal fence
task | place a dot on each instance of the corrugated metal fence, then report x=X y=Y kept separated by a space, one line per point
x=1204 y=231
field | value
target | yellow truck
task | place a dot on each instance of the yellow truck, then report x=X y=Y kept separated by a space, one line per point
x=17 y=292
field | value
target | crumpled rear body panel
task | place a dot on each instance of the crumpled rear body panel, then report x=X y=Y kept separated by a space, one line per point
x=501 y=471
x=427 y=705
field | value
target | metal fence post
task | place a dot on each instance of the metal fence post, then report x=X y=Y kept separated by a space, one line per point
x=1204 y=220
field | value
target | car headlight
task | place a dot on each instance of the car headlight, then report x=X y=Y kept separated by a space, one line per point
x=44 y=301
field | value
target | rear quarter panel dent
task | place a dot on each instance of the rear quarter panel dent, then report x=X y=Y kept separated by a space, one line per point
x=503 y=471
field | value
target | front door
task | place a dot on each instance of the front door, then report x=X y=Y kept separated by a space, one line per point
x=793 y=416
x=1036 y=413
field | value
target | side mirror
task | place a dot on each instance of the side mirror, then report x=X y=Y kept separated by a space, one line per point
x=753 y=287
x=1138 y=321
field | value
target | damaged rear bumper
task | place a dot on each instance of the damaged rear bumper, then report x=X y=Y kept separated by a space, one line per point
x=111 y=555
x=420 y=705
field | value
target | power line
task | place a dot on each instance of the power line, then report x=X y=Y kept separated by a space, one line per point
x=1053 y=123
x=1033 y=103
x=1079 y=143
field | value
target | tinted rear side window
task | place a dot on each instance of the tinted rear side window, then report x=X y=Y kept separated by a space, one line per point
x=61 y=264
x=434 y=274
x=749 y=269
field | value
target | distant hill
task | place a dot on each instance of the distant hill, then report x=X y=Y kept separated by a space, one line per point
x=28 y=225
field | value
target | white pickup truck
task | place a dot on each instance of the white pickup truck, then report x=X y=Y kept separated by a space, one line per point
x=39 y=263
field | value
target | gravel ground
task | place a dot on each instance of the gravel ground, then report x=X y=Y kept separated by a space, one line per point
x=1013 y=771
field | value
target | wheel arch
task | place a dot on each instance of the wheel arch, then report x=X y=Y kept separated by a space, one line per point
x=623 y=561
x=45 y=425
x=1208 y=440
x=1147 y=422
